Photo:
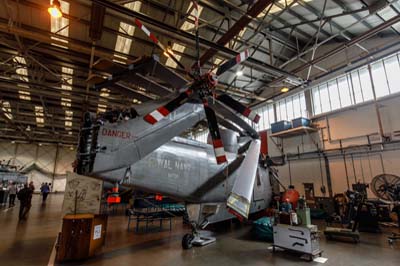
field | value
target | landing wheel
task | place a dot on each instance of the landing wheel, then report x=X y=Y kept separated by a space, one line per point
x=187 y=241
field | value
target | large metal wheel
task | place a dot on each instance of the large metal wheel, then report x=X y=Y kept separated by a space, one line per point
x=187 y=241
x=383 y=184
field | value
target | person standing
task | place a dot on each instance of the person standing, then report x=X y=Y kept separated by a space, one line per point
x=25 y=197
x=12 y=192
x=45 y=190
x=31 y=186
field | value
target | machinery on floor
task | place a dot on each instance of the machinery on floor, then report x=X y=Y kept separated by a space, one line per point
x=387 y=188
x=292 y=229
x=352 y=217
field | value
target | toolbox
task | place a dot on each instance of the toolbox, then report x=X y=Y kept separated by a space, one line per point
x=280 y=126
x=301 y=122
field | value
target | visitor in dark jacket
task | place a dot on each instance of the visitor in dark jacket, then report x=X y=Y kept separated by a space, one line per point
x=25 y=198
x=45 y=190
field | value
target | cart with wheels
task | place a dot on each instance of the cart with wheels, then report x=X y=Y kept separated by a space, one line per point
x=300 y=239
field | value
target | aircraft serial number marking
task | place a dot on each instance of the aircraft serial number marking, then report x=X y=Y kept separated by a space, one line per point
x=116 y=133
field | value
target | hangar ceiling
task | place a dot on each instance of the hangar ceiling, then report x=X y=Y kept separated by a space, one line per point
x=46 y=63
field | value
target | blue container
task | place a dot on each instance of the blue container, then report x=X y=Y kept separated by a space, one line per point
x=301 y=122
x=280 y=126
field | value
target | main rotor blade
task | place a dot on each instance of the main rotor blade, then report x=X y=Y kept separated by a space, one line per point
x=165 y=110
x=238 y=107
x=156 y=41
x=196 y=14
x=214 y=132
x=239 y=58
x=239 y=200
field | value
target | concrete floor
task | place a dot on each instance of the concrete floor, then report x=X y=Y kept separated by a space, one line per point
x=30 y=243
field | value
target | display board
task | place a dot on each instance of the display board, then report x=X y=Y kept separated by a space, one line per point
x=82 y=194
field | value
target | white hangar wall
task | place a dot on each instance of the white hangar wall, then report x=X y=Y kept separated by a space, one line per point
x=352 y=129
x=43 y=163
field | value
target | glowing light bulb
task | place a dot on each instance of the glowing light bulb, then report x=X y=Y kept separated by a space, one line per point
x=55 y=9
x=285 y=89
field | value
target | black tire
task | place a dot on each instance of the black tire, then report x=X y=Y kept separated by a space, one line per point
x=187 y=241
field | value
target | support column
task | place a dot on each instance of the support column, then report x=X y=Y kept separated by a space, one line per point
x=307 y=96
x=328 y=176
x=55 y=167
x=378 y=113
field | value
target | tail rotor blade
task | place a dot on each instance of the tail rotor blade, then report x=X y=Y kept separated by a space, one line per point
x=215 y=135
x=238 y=107
x=239 y=58
x=156 y=41
x=165 y=110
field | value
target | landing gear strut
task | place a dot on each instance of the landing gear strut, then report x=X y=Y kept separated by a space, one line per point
x=196 y=238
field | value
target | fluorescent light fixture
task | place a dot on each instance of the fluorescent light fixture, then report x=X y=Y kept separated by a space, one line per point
x=239 y=73
x=270 y=101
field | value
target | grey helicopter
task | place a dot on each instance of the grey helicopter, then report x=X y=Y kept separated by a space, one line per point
x=219 y=180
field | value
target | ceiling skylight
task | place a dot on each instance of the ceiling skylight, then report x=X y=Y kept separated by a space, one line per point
x=39 y=116
x=101 y=108
x=66 y=102
x=123 y=44
x=68 y=119
x=22 y=71
x=102 y=105
x=187 y=25
x=6 y=107
x=276 y=9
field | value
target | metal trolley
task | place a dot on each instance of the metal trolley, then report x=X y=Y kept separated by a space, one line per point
x=299 y=239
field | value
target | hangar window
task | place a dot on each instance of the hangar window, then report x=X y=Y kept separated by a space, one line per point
x=392 y=72
x=267 y=116
x=291 y=107
x=334 y=95
x=346 y=96
x=365 y=80
x=356 y=87
x=380 y=81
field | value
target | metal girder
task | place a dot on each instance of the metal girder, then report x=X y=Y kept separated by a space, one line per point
x=345 y=13
x=340 y=28
x=14 y=124
x=265 y=24
x=189 y=38
x=350 y=43
x=253 y=12
x=330 y=38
